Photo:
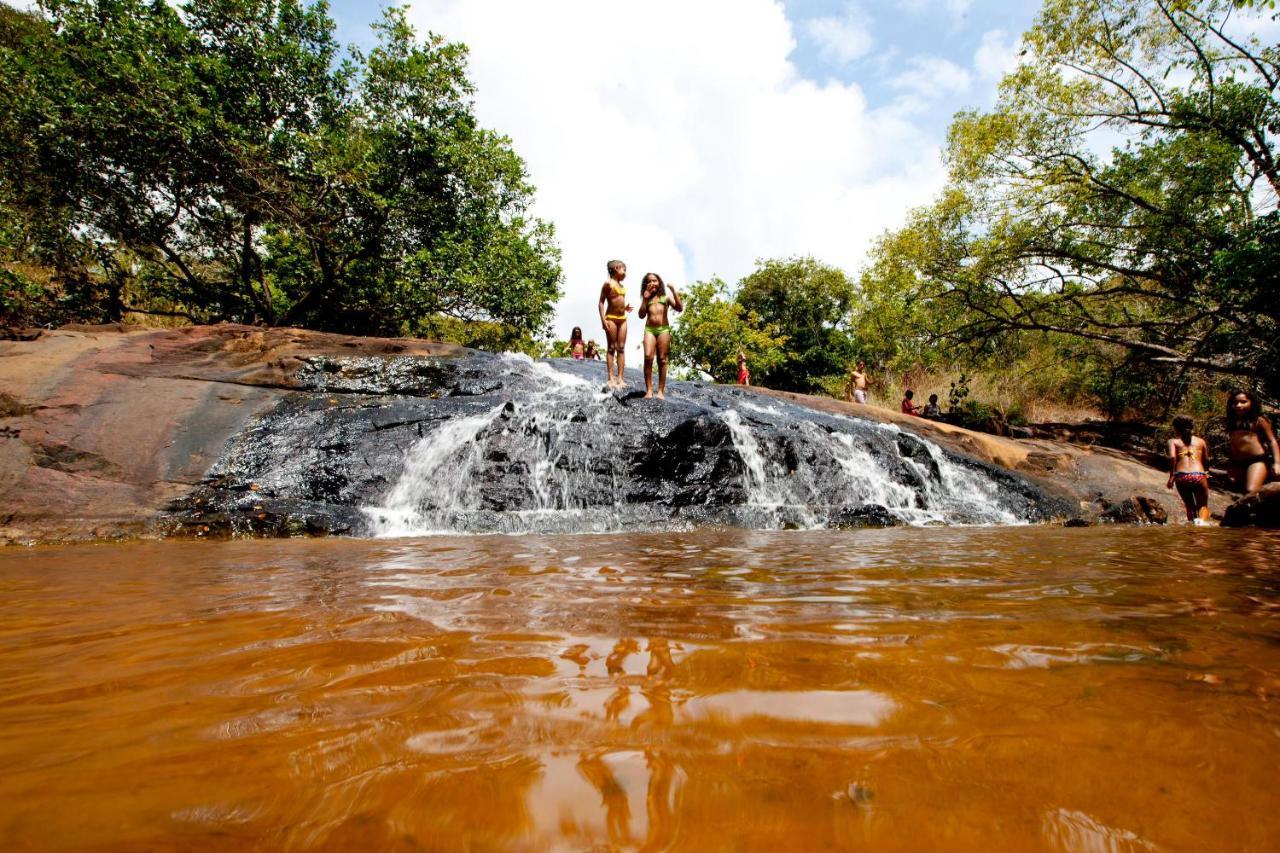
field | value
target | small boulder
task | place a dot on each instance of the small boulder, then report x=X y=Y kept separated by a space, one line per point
x=1260 y=509
x=1138 y=509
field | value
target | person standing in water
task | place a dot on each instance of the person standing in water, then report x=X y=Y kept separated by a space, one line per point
x=1255 y=456
x=1188 y=464
x=613 y=316
x=657 y=299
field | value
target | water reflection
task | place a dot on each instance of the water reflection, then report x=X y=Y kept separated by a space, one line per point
x=1100 y=688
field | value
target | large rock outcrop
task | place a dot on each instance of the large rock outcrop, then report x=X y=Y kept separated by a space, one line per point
x=112 y=431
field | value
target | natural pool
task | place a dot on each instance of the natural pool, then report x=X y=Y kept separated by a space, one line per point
x=936 y=688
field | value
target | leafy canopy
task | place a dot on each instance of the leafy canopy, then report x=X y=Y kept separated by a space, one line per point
x=227 y=160
x=1123 y=191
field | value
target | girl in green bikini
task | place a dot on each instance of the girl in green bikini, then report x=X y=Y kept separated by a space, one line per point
x=657 y=299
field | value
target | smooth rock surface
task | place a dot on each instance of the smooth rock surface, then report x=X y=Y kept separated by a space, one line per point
x=118 y=431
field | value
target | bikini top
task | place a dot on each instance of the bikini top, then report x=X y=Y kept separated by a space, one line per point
x=1188 y=452
x=662 y=300
x=617 y=289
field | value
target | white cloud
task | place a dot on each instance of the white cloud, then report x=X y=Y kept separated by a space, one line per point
x=996 y=55
x=841 y=40
x=656 y=135
x=931 y=77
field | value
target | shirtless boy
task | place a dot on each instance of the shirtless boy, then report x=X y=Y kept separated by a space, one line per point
x=614 y=308
x=859 y=381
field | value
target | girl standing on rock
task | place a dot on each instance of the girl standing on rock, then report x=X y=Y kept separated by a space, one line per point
x=1255 y=456
x=1187 y=457
x=656 y=300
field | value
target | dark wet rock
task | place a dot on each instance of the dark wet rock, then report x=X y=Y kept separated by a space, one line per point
x=1261 y=509
x=378 y=443
x=1138 y=509
x=103 y=428
x=871 y=515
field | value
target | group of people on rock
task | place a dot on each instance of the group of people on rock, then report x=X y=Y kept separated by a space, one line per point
x=657 y=300
x=1253 y=455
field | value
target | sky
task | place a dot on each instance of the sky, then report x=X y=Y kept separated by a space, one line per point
x=694 y=137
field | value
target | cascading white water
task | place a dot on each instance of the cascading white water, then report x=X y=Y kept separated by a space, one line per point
x=436 y=475
x=757 y=480
x=861 y=478
x=435 y=491
x=564 y=456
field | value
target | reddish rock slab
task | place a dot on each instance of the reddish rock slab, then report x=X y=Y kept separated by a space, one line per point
x=100 y=427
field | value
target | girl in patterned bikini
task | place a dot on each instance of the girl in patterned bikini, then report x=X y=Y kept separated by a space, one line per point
x=1187 y=457
x=656 y=299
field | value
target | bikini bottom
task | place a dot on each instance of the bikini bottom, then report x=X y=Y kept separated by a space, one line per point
x=657 y=330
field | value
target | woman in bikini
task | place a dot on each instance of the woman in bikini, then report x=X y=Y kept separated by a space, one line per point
x=577 y=346
x=1255 y=456
x=656 y=300
x=1188 y=455
x=613 y=316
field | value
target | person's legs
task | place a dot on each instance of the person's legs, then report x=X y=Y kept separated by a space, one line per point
x=1255 y=477
x=650 y=344
x=1187 y=491
x=622 y=348
x=613 y=356
x=664 y=354
x=1202 y=500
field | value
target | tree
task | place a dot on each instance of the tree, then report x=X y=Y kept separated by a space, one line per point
x=714 y=328
x=228 y=161
x=811 y=304
x=1164 y=245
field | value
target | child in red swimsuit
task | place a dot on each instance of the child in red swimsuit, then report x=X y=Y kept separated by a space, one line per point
x=744 y=375
x=1187 y=456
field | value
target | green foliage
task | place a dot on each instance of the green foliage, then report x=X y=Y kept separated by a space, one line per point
x=249 y=169
x=714 y=328
x=810 y=303
x=1166 y=247
x=958 y=394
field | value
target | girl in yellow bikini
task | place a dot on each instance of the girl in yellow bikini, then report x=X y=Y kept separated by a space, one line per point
x=656 y=299
x=613 y=316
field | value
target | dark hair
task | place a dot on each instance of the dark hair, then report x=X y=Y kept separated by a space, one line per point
x=1182 y=424
x=1246 y=421
x=612 y=266
x=909 y=394
x=576 y=335
x=662 y=285
x=933 y=398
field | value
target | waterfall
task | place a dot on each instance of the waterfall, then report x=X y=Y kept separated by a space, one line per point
x=482 y=443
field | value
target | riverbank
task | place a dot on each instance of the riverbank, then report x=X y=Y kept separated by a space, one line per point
x=102 y=428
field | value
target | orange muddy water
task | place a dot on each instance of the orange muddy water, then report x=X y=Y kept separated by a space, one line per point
x=1019 y=688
